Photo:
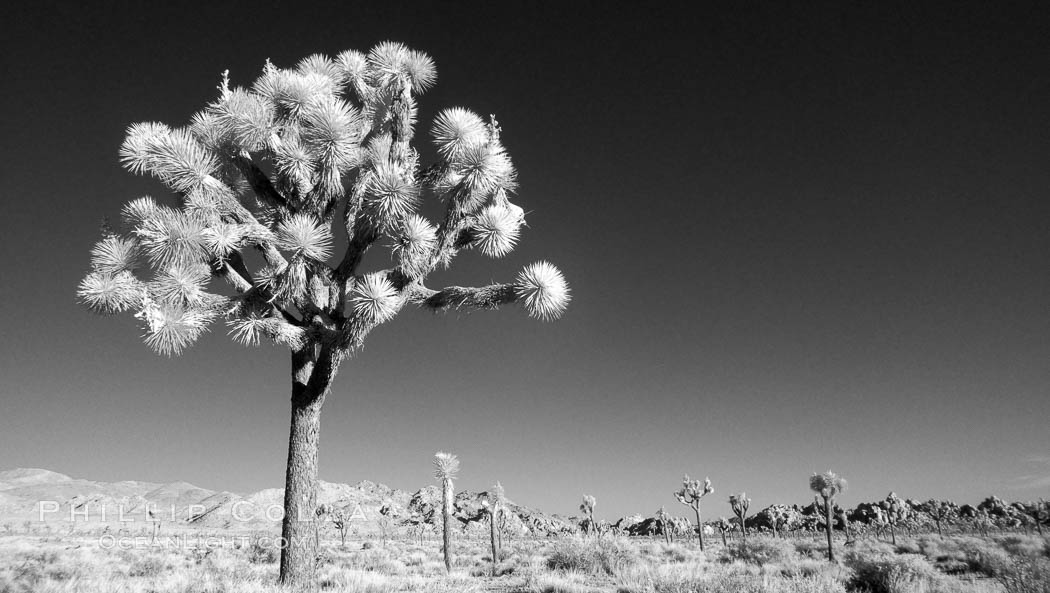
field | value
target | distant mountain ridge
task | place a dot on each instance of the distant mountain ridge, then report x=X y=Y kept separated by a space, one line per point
x=26 y=494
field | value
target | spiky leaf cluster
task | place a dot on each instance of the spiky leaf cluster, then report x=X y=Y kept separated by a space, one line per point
x=828 y=484
x=587 y=506
x=693 y=490
x=740 y=503
x=270 y=169
x=446 y=466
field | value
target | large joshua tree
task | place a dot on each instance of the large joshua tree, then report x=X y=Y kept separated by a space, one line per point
x=827 y=486
x=302 y=160
x=493 y=504
x=689 y=495
x=896 y=511
x=587 y=508
x=446 y=467
x=740 y=503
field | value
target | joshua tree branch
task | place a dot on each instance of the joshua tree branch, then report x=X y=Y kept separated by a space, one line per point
x=235 y=272
x=235 y=275
x=363 y=235
x=484 y=297
x=260 y=183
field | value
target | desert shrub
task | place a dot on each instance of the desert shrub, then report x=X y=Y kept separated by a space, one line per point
x=987 y=559
x=1029 y=547
x=762 y=551
x=356 y=580
x=909 y=546
x=260 y=554
x=150 y=566
x=415 y=559
x=886 y=573
x=608 y=556
x=808 y=548
x=804 y=568
x=556 y=583
x=1025 y=575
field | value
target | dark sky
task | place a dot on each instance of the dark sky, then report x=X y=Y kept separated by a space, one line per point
x=799 y=237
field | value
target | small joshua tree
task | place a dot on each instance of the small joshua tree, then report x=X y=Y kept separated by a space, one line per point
x=1039 y=513
x=725 y=527
x=982 y=522
x=941 y=511
x=689 y=495
x=827 y=486
x=897 y=511
x=446 y=467
x=276 y=171
x=339 y=519
x=385 y=521
x=740 y=503
x=587 y=508
x=494 y=507
x=663 y=519
x=417 y=525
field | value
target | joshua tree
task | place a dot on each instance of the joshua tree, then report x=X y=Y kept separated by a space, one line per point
x=983 y=521
x=663 y=519
x=417 y=525
x=339 y=518
x=587 y=508
x=896 y=511
x=494 y=507
x=387 y=516
x=502 y=526
x=725 y=526
x=740 y=503
x=446 y=467
x=941 y=511
x=690 y=494
x=1039 y=512
x=827 y=486
x=280 y=168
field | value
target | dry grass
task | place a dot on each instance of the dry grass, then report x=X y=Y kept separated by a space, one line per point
x=69 y=564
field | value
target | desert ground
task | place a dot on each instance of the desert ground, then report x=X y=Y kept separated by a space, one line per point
x=57 y=562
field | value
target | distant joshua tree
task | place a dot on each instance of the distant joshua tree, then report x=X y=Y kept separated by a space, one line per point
x=778 y=517
x=338 y=517
x=1039 y=512
x=689 y=495
x=446 y=468
x=386 y=519
x=896 y=511
x=417 y=525
x=587 y=508
x=276 y=172
x=740 y=503
x=664 y=520
x=941 y=511
x=494 y=506
x=725 y=526
x=827 y=487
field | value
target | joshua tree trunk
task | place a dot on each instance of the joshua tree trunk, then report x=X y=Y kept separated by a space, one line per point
x=893 y=535
x=724 y=544
x=312 y=372
x=827 y=519
x=446 y=521
x=743 y=532
x=492 y=535
x=699 y=528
